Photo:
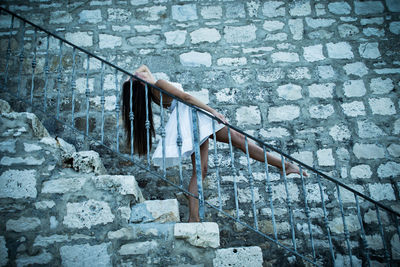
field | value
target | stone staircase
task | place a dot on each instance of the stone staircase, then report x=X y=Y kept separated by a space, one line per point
x=58 y=207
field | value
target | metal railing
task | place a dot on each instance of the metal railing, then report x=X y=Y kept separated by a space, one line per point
x=361 y=228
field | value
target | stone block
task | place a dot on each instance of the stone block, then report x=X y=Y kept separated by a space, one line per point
x=352 y=224
x=8 y=146
x=185 y=12
x=396 y=127
x=90 y=16
x=211 y=12
x=87 y=214
x=273 y=25
x=208 y=35
x=353 y=109
x=3 y=252
x=31 y=147
x=325 y=72
x=147 y=28
x=18 y=184
x=226 y=95
x=394 y=150
x=368 y=7
x=313 y=53
x=381 y=86
x=283 y=113
x=228 y=61
x=373 y=32
x=299 y=73
x=300 y=8
x=340 y=132
x=29 y=161
x=43 y=258
x=201 y=95
x=270 y=74
x=381 y=192
x=152 y=13
x=341 y=50
x=339 y=8
x=348 y=196
x=248 y=116
x=123 y=184
x=321 y=111
x=240 y=34
x=83 y=39
x=357 y=68
x=109 y=102
x=195 y=59
x=85 y=255
x=138 y=248
x=279 y=192
x=239 y=256
x=354 y=88
x=60 y=17
x=23 y=224
x=368 y=151
x=394 y=27
x=246 y=194
x=119 y=14
x=274 y=9
x=88 y=162
x=156 y=211
x=314 y=194
x=321 y=90
x=289 y=91
x=147 y=40
x=285 y=57
x=109 y=41
x=4 y=107
x=63 y=185
x=341 y=261
x=382 y=106
x=296 y=27
x=389 y=169
x=395 y=245
x=361 y=172
x=325 y=157
x=205 y=234
x=235 y=10
x=304 y=156
x=369 y=50
x=274 y=132
x=368 y=129
x=175 y=37
x=319 y=23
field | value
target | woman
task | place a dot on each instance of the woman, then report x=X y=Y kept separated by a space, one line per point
x=171 y=149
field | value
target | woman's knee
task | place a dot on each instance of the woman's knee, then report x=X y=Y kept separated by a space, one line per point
x=204 y=170
x=237 y=138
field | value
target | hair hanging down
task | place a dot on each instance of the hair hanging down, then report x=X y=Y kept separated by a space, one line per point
x=139 y=111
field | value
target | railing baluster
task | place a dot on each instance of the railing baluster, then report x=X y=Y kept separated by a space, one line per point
x=345 y=230
x=307 y=211
x=131 y=113
x=268 y=189
x=326 y=223
x=163 y=136
x=216 y=163
x=87 y=93
x=33 y=64
x=251 y=180
x=46 y=73
x=387 y=253
x=235 y=189
x=363 y=237
x=102 y=101
x=73 y=87
x=289 y=203
x=179 y=143
x=21 y=58
x=59 y=79
x=117 y=106
x=196 y=144
x=8 y=52
x=147 y=125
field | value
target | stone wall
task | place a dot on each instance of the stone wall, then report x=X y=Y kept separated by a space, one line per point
x=318 y=79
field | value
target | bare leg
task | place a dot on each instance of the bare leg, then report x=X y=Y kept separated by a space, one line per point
x=255 y=152
x=194 y=202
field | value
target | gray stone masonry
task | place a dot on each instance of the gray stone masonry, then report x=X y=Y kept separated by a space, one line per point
x=318 y=79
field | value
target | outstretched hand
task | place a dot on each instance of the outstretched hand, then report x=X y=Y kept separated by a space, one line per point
x=220 y=116
x=143 y=72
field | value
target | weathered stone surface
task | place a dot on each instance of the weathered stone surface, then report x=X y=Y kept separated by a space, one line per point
x=23 y=224
x=63 y=185
x=368 y=151
x=321 y=90
x=273 y=9
x=45 y=241
x=240 y=34
x=361 y=171
x=296 y=28
x=283 y=113
x=279 y=192
x=367 y=129
x=30 y=121
x=321 y=111
x=353 y=109
x=325 y=72
x=3 y=252
x=4 y=107
x=195 y=59
x=119 y=14
x=44 y=204
x=18 y=184
x=83 y=39
x=354 y=88
x=395 y=27
x=368 y=7
x=60 y=17
x=270 y=75
x=313 y=53
x=43 y=258
x=319 y=23
x=138 y=248
x=394 y=150
x=341 y=260
x=289 y=91
x=29 y=161
x=109 y=41
x=184 y=12
x=382 y=106
x=381 y=86
x=156 y=211
x=87 y=214
x=300 y=8
x=339 y=8
x=90 y=16
x=300 y=73
x=352 y=224
x=85 y=255
x=204 y=234
x=148 y=40
x=240 y=256
x=325 y=157
x=8 y=146
x=395 y=244
x=225 y=61
x=248 y=116
x=87 y=162
x=211 y=12
x=284 y=57
x=175 y=37
x=381 y=192
x=123 y=184
x=389 y=169
x=357 y=68
x=340 y=132
x=341 y=50
x=209 y=35
x=273 y=25
x=369 y=50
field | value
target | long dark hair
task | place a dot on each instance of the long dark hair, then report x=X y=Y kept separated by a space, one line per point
x=139 y=111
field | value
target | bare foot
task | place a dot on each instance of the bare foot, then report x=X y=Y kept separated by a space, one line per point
x=292 y=168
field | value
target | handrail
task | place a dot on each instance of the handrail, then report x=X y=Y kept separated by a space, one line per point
x=207 y=114
x=195 y=109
